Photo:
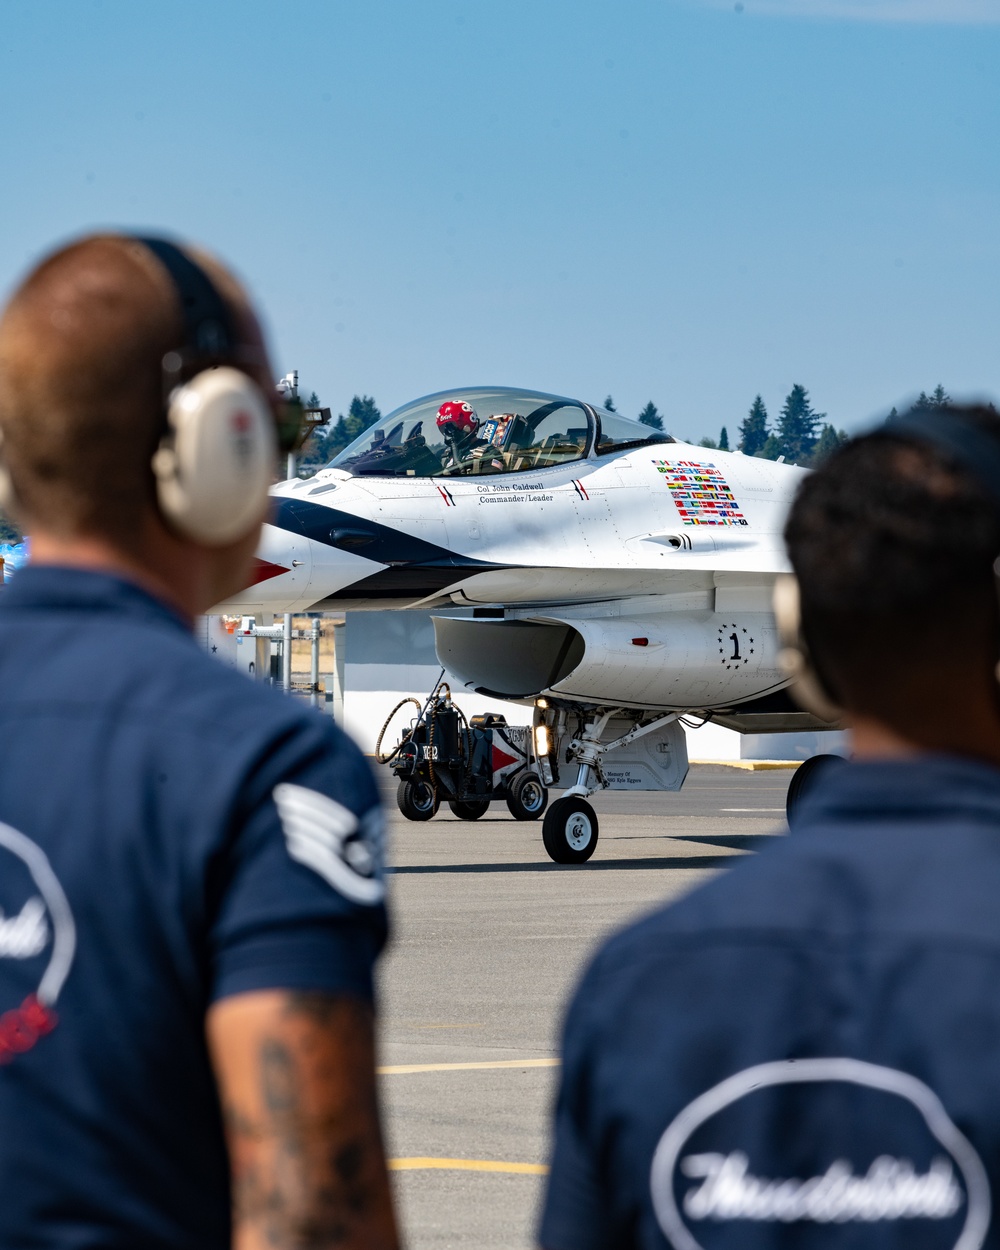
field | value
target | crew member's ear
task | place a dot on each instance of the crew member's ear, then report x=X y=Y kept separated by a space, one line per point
x=8 y=500
x=807 y=688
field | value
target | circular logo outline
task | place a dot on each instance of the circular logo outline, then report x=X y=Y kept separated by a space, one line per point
x=803 y=1071
x=54 y=898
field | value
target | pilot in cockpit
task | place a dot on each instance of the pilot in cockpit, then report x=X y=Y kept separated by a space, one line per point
x=458 y=423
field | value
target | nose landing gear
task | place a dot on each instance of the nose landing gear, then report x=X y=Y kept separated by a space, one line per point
x=571 y=828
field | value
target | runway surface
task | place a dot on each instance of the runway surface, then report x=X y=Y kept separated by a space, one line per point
x=490 y=936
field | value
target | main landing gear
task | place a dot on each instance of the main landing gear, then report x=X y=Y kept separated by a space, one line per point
x=804 y=779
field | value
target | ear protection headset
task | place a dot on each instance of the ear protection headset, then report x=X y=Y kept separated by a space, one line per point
x=978 y=452
x=217 y=455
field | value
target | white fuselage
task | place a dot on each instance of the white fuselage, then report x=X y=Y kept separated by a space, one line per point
x=662 y=560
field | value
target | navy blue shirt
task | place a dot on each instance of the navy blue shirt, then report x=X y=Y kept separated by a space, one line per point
x=171 y=834
x=805 y=1051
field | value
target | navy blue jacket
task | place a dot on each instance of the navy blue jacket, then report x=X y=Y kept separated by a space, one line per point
x=170 y=834
x=805 y=1051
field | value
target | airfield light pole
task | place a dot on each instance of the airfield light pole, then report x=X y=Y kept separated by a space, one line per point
x=289 y=387
x=314 y=673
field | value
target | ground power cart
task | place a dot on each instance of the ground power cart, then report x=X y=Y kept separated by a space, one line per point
x=443 y=757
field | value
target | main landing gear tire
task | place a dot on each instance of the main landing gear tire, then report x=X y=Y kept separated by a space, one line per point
x=803 y=780
x=416 y=800
x=527 y=797
x=469 y=809
x=569 y=831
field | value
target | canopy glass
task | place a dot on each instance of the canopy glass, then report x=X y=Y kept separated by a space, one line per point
x=511 y=431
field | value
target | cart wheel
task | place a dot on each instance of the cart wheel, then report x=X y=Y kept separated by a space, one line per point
x=416 y=800
x=803 y=780
x=469 y=809
x=527 y=797
x=569 y=831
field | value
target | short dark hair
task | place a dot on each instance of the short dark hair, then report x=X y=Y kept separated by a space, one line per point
x=893 y=542
x=81 y=384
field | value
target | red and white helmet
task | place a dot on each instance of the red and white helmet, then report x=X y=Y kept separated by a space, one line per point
x=457 y=416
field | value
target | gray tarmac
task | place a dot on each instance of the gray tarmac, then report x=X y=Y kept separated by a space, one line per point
x=490 y=937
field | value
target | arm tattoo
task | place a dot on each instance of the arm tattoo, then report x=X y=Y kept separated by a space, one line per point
x=308 y=1168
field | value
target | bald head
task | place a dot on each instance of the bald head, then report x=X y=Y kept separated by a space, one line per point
x=81 y=401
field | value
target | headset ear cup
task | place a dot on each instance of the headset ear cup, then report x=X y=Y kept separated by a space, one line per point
x=996 y=586
x=217 y=460
x=806 y=689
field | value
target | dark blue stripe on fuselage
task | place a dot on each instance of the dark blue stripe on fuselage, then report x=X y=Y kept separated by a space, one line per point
x=416 y=568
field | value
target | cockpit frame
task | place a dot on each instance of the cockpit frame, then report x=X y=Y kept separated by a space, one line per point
x=513 y=431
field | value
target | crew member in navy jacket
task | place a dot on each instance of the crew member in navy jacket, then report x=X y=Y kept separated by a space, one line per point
x=805 y=1052
x=191 y=885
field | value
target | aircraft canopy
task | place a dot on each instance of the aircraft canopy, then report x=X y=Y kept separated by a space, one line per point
x=515 y=432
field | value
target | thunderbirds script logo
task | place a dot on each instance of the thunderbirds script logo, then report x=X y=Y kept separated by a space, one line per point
x=821 y=1145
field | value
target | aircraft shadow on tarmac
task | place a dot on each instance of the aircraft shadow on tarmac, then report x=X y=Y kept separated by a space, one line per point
x=730 y=841
x=593 y=865
x=734 y=841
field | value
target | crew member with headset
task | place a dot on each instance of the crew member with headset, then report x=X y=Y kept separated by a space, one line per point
x=191 y=881
x=806 y=1051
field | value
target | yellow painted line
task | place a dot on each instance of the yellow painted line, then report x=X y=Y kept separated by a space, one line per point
x=453 y=1026
x=405 y=1069
x=752 y=766
x=466 y=1165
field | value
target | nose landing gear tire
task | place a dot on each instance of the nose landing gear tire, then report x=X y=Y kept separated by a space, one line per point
x=416 y=800
x=527 y=796
x=569 y=831
x=470 y=809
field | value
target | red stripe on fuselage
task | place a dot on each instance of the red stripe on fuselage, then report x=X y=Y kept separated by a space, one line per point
x=264 y=570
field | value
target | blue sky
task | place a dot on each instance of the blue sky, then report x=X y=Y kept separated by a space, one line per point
x=689 y=201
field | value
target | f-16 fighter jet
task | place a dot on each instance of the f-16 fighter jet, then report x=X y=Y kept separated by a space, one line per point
x=613 y=578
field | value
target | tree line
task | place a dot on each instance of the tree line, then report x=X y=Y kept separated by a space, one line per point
x=801 y=436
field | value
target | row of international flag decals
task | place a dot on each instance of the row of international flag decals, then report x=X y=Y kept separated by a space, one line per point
x=701 y=493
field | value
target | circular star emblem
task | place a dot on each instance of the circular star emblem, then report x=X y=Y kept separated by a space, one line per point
x=736 y=645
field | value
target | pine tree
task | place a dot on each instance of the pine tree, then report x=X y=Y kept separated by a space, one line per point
x=797 y=426
x=361 y=415
x=829 y=440
x=329 y=440
x=938 y=398
x=650 y=416
x=754 y=431
x=771 y=449
x=609 y=404
x=724 y=440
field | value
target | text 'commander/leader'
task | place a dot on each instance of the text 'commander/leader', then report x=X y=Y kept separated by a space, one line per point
x=191 y=882
x=806 y=1051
